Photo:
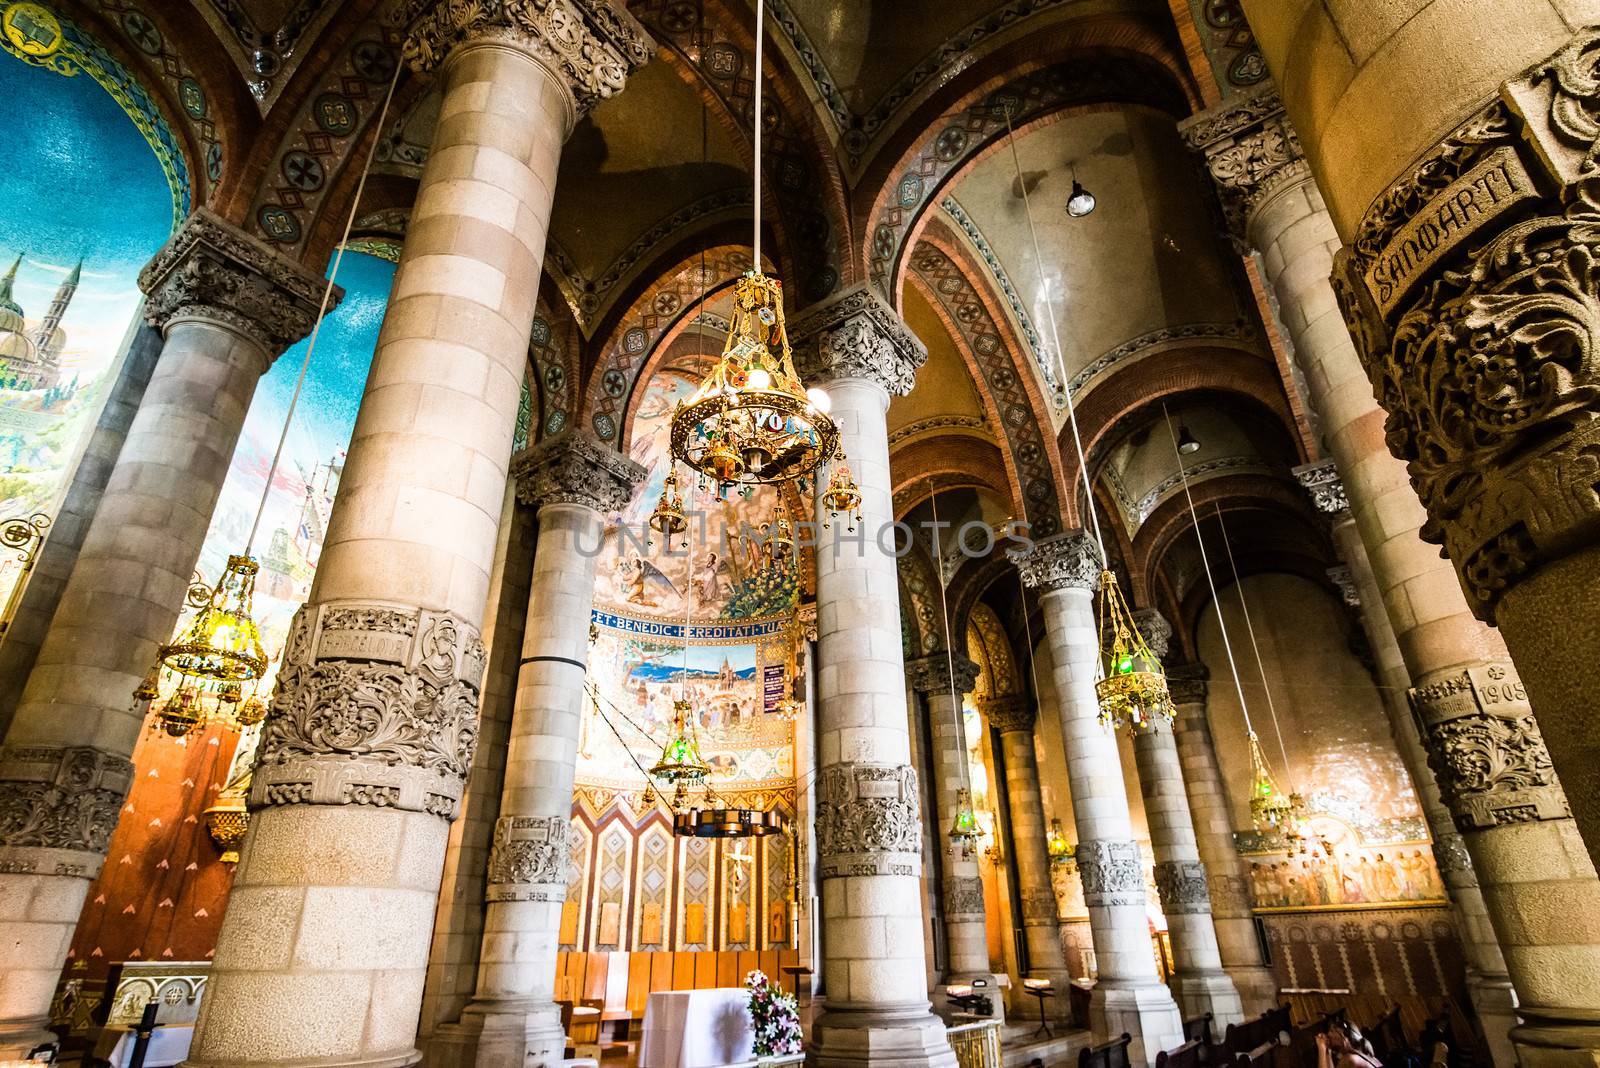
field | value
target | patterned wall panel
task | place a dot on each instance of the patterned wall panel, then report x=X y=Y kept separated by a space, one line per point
x=652 y=892
x=613 y=872
x=697 y=908
x=581 y=839
x=778 y=877
x=1388 y=952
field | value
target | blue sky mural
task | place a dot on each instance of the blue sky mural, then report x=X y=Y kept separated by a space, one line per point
x=80 y=182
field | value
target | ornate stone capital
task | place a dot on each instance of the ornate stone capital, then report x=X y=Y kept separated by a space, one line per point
x=58 y=807
x=963 y=897
x=1112 y=871
x=214 y=270
x=592 y=44
x=1470 y=288
x=1155 y=630
x=930 y=675
x=1008 y=712
x=1323 y=485
x=868 y=821
x=376 y=705
x=1345 y=579
x=528 y=860
x=1186 y=684
x=1182 y=886
x=1486 y=750
x=854 y=334
x=574 y=468
x=1250 y=150
x=1455 y=863
x=1068 y=560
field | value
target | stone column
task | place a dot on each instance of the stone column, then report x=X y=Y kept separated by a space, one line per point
x=1128 y=995
x=228 y=306
x=1227 y=877
x=512 y=1020
x=371 y=732
x=1254 y=155
x=869 y=831
x=960 y=885
x=1198 y=979
x=1013 y=716
x=1488 y=984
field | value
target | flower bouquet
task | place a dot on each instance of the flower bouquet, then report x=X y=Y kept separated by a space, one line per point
x=774 y=1017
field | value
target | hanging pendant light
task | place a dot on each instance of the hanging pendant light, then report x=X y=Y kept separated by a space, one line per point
x=1056 y=844
x=1270 y=808
x=223 y=643
x=229 y=819
x=1133 y=692
x=668 y=518
x=965 y=830
x=680 y=761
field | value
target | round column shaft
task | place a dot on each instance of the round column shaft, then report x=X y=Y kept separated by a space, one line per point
x=869 y=837
x=228 y=306
x=1128 y=995
x=370 y=735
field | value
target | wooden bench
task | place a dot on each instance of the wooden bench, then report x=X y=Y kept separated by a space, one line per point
x=1113 y=1054
x=1185 y=1056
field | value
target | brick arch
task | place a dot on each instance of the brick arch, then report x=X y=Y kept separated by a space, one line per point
x=973 y=123
x=1210 y=368
x=947 y=461
x=1005 y=672
x=920 y=602
x=942 y=272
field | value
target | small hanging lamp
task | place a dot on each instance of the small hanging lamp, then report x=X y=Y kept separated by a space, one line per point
x=965 y=831
x=680 y=757
x=223 y=643
x=1133 y=692
x=1056 y=844
x=668 y=518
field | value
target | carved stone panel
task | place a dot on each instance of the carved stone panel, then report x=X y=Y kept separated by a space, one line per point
x=854 y=334
x=216 y=271
x=963 y=897
x=1038 y=906
x=528 y=860
x=1486 y=750
x=1324 y=486
x=1112 y=871
x=1250 y=150
x=58 y=807
x=376 y=705
x=931 y=674
x=868 y=820
x=1182 y=886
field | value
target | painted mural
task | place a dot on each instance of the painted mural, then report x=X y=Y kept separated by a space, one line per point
x=1334 y=865
x=89 y=203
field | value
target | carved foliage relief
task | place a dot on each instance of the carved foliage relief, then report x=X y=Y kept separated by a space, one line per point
x=868 y=820
x=58 y=799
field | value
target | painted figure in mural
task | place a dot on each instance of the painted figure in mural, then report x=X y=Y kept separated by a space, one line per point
x=639 y=576
x=707 y=577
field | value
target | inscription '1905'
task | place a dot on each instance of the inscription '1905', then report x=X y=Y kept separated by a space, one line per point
x=1465 y=206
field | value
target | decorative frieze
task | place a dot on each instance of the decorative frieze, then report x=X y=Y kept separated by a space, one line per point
x=963 y=897
x=528 y=860
x=1486 y=750
x=1009 y=712
x=1064 y=561
x=854 y=334
x=1186 y=684
x=214 y=270
x=593 y=44
x=1182 y=886
x=1323 y=485
x=1342 y=577
x=1455 y=863
x=1112 y=871
x=1250 y=150
x=1471 y=295
x=1038 y=905
x=376 y=705
x=574 y=468
x=930 y=675
x=868 y=820
x=58 y=807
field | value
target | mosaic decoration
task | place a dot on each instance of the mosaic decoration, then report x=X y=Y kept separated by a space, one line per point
x=92 y=205
x=961 y=138
x=1017 y=407
x=1042 y=358
x=265 y=50
x=553 y=348
x=1229 y=45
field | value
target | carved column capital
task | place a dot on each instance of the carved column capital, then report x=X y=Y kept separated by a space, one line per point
x=214 y=270
x=376 y=705
x=1182 y=887
x=963 y=897
x=1186 y=684
x=58 y=807
x=1250 y=150
x=868 y=820
x=1064 y=561
x=574 y=468
x=1342 y=577
x=854 y=334
x=1469 y=287
x=1154 y=629
x=1039 y=906
x=1009 y=712
x=593 y=45
x=1323 y=485
x=930 y=675
x=528 y=860
x=1455 y=863
x=1486 y=750
x=1112 y=871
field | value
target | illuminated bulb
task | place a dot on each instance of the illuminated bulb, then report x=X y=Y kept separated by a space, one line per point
x=760 y=378
x=1080 y=202
x=819 y=399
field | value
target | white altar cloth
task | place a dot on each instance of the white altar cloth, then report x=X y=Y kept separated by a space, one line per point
x=696 y=1028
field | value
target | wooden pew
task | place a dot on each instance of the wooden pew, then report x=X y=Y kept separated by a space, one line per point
x=1113 y=1054
x=1185 y=1056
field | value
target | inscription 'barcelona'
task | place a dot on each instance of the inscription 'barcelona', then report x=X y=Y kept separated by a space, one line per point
x=1465 y=206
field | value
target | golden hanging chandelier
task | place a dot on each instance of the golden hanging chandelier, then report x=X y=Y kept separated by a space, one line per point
x=1056 y=844
x=752 y=420
x=1270 y=808
x=965 y=831
x=668 y=519
x=681 y=762
x=1133 y=691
